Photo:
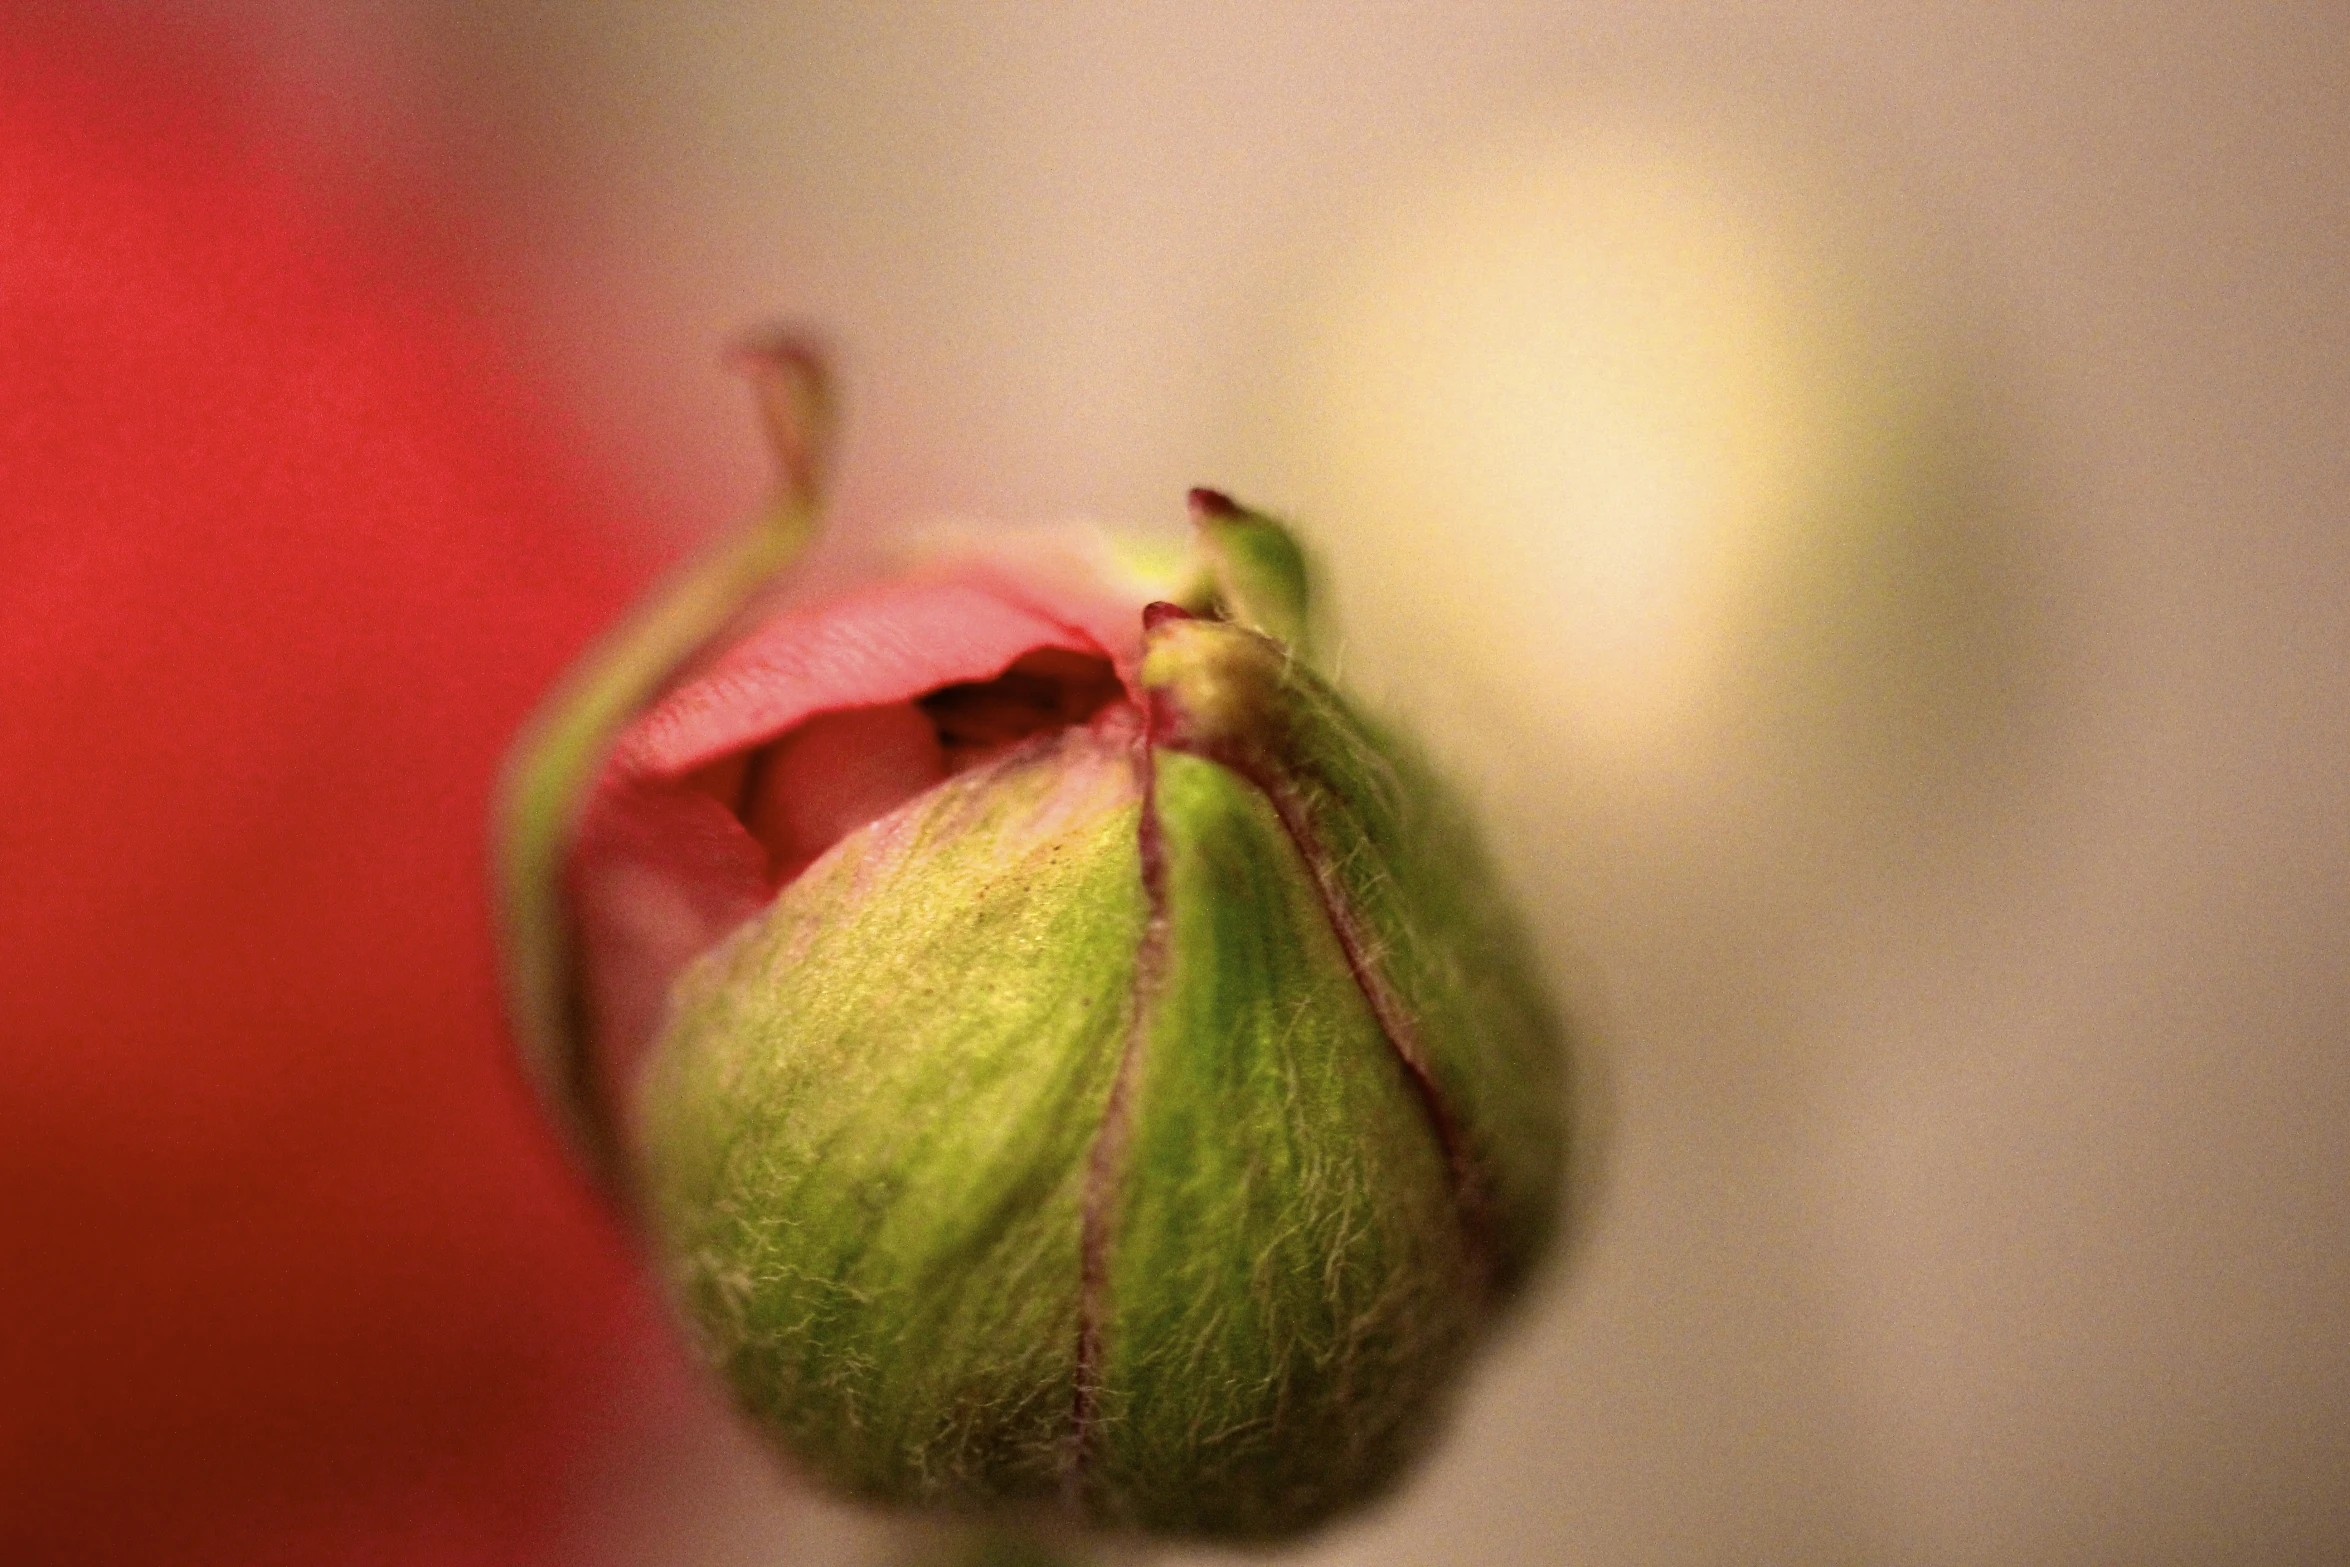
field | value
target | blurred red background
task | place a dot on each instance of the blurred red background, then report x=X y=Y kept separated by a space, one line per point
x=292 y=1272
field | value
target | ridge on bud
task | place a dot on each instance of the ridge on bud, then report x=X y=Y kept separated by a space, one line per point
x=1065 y=1058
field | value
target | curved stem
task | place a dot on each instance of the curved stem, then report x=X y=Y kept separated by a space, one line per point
x=992 y=1546
x=556 y=759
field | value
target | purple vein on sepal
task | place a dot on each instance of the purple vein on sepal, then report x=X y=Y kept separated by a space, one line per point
x=1106 y=1161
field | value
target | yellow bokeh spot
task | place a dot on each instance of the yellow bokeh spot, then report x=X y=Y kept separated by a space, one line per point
x=1575 y=395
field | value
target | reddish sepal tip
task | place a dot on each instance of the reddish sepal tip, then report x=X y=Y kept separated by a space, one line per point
x=1206 y=503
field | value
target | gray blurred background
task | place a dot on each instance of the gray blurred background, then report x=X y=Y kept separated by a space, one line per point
x=1857 y=491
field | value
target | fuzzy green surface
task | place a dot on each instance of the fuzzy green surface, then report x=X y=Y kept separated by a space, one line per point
x=988 y=1183
x=868 y=1131
x=1415 y=872
x=1288 y=1288
x=1401 y=859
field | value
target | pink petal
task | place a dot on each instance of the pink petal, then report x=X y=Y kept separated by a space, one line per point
x=886 y=644
x=664 y=869
x=835 y=773
x=660 y=875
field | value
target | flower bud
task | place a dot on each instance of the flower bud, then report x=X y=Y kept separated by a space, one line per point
x=1065 y=1057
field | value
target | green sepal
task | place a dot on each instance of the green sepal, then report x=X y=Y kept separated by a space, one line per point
x=1257 y=575
x=1418 y=905
x=554 y=762
x=869 y=1128
x=1288 y=1288
x=553 y=767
